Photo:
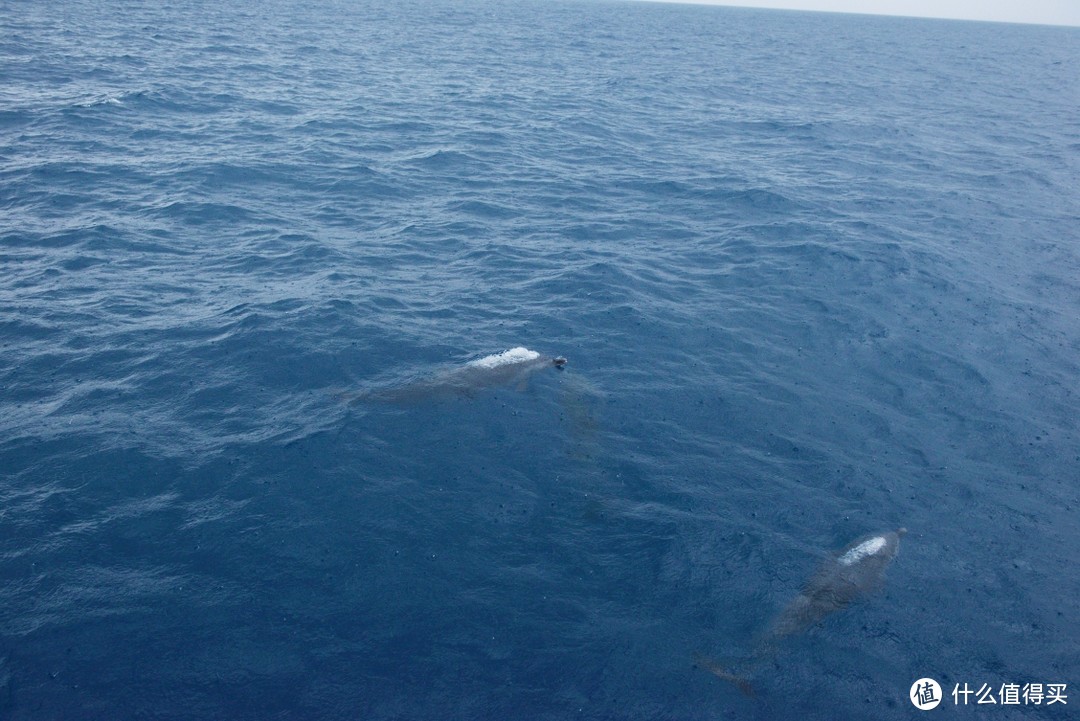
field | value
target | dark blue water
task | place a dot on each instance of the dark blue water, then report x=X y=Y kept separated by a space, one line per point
x=816 y=276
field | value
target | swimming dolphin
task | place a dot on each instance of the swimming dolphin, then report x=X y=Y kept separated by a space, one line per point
x=509 y=368
x=852 y=572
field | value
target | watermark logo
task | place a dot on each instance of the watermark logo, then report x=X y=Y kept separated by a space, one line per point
x=925 y=694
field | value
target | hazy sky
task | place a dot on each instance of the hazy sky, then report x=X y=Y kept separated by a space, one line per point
x=1051 y=12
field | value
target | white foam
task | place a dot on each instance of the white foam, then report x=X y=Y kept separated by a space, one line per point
x=514 y=355
x=100 y=100
x=867 y=548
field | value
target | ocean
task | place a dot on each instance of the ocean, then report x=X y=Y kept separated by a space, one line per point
x=815 y=277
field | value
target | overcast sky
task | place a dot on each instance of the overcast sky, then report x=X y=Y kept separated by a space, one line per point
x=1051 y=12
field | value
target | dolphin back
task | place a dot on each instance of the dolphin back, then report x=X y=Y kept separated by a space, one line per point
x=854 y=571
x=509 y=368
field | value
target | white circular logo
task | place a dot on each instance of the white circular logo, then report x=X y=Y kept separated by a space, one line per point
x=925 y=694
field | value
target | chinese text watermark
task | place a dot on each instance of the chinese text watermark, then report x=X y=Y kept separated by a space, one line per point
x=926 y=694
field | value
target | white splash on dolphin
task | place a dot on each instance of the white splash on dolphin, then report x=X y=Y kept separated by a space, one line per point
x=867 y=548
x=509 y=357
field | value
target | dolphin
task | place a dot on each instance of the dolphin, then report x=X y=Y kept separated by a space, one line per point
x=510 y=368
x=849 y=574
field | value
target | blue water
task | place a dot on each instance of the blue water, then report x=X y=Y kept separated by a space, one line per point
x=816 y=276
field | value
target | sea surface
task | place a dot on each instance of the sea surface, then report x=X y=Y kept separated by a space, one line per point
x=816 y=276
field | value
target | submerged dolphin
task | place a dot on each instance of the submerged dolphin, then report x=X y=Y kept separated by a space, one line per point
x=509 y=368
x=854 y=571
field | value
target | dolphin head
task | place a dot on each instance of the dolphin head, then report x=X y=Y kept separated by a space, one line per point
x=559 y=362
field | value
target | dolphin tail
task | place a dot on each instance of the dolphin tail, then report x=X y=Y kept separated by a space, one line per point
x=351 y=399
x=720 y=671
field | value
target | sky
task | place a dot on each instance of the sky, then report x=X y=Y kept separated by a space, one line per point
x=1048 y=12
